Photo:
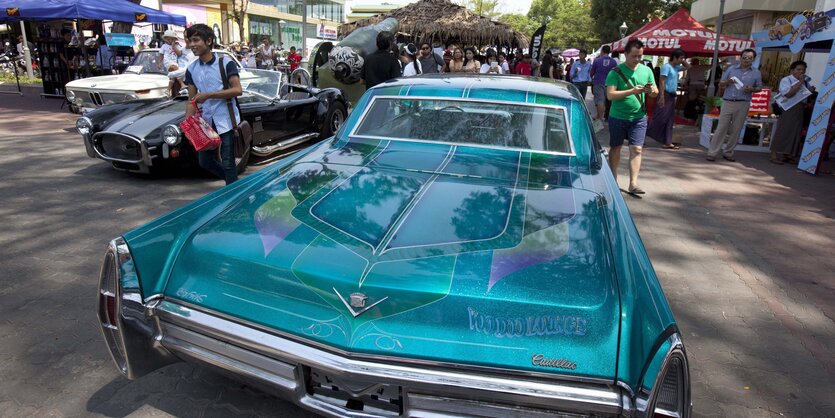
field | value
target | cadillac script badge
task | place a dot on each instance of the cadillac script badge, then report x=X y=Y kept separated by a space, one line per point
x=557 y=363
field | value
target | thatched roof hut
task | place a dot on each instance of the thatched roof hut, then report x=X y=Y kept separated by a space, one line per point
x=447 y=22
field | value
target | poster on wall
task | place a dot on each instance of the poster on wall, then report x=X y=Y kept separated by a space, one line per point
x=808 y=28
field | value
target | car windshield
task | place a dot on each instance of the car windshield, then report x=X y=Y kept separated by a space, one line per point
x=146 y=62
x=262 y=83
x=149 y=62
x=462 y=121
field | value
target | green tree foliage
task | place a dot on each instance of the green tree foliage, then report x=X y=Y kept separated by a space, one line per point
x=486 y=8
x=521 y=23
x=610 y=14
x=570 y=23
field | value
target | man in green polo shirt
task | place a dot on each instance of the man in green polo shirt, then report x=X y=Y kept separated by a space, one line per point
x=627 y=86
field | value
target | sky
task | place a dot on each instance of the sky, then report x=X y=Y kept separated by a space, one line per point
x=514 y=6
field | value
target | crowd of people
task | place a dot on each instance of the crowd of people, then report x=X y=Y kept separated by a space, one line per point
x=424 y=58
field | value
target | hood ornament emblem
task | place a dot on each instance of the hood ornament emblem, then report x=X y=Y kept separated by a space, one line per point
x=94 y=85
x=358 y=300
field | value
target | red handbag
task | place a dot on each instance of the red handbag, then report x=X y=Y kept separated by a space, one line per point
x=198 y=132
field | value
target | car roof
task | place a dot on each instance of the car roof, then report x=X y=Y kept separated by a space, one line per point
x=481 y=82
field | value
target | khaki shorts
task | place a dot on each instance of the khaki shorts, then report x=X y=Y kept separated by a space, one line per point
x=599 y=92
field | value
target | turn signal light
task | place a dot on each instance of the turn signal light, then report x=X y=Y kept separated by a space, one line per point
x=174 y=153
x=142 y=91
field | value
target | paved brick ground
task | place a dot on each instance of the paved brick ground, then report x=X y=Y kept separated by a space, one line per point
x=742 y=250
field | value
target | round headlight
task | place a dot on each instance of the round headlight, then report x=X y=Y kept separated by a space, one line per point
x=131 y=96
x=84 y=125
x=171 y=135
x=70 y=95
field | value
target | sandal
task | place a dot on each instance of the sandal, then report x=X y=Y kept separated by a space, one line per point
x=731 y=159
x=636 y=190
x=710 y=158
x=669 y=146
x=776 y=161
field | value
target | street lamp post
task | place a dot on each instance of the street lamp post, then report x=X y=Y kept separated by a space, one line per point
x=623 y=28
x=280 y=42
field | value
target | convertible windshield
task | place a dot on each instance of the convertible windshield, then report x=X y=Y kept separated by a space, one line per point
x=495 y=124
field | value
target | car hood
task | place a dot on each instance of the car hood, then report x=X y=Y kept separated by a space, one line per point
x=448 y=254
x=148 y=120
x=121 y=82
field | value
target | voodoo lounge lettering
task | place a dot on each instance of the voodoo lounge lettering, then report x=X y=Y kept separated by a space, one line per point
x=529 y=326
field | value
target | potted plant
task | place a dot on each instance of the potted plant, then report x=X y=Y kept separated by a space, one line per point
x=713 y=103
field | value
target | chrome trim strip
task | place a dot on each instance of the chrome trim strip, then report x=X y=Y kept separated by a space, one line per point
x=368 y=107
x=386 y=359
x=146 y=159
x=269 y=149
x=186 y=329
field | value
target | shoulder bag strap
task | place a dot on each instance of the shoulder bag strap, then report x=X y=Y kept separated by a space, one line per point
x=226 y=86
x=618 y=71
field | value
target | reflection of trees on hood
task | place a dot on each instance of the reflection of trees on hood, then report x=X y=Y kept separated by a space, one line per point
x=369 y=203
x=482 y=213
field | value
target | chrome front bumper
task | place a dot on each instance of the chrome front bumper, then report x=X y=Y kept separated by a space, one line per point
x=340 y=385
x=139 y=160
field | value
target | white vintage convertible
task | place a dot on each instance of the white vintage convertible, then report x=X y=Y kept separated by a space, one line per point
x=145 y=78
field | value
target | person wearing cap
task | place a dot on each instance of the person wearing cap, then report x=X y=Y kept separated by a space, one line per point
x=170 y=51
x=524 y=67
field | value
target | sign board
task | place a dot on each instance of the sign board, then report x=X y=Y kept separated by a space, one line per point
x=760 y=103
x=120 y=39
x=326 y=32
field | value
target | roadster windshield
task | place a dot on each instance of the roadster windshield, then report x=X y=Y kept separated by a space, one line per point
x=262 y=83
x=494 y=124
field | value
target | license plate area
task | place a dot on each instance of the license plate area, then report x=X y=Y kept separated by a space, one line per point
x=354 y=395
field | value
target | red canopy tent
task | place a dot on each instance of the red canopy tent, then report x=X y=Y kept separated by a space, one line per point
x=682 y=31
x=619 y=44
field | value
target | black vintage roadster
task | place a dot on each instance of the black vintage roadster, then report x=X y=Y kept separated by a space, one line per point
x=144 y=135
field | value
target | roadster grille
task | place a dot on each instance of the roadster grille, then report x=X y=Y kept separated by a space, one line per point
x=118 y=147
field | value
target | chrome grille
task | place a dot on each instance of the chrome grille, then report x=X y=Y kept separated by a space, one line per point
x=118 y=147
x=96 y=98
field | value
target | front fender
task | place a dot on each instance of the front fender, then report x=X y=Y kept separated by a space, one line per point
x=326 y=97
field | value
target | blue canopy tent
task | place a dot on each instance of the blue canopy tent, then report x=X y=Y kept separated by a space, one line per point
x=114 y=10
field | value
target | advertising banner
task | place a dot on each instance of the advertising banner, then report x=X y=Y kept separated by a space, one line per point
x=536 y=42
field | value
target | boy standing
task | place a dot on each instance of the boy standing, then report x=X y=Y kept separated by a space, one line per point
x=205 y=85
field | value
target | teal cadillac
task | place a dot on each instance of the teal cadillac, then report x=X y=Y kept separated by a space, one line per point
x=458 y=248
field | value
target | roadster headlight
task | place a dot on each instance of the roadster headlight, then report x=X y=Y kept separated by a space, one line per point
x=70 y=95
x=171 y=135
x=84 y=125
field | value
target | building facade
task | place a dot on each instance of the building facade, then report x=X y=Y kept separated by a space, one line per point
x=282 y=21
